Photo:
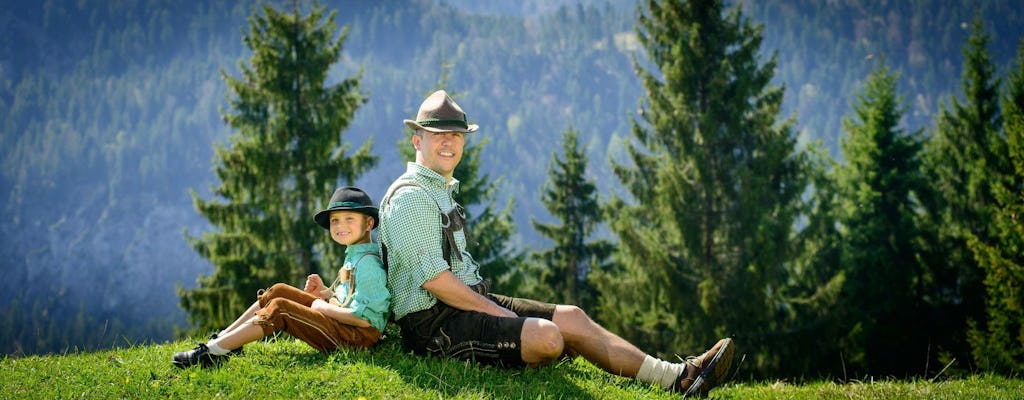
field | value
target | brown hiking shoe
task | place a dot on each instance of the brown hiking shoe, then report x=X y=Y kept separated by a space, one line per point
x=706 y=371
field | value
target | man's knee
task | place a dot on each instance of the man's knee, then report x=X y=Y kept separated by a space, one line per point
x=574 y=324
x=571 y=313
x=542 y=341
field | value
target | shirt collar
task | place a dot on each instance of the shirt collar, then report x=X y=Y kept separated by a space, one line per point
x=431 y=177
x=360 y=248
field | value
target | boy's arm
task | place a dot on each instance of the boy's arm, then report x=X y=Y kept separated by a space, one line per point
x=344 y=315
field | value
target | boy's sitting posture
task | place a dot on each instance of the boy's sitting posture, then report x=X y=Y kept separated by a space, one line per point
x=354 y=314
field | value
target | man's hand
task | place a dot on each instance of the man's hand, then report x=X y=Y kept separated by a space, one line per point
x=449 y=289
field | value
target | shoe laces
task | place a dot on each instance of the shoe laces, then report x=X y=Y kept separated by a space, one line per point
x=691 y=360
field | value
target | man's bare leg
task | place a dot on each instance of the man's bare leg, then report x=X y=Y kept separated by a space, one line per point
x=615 y=355
x=595 y=343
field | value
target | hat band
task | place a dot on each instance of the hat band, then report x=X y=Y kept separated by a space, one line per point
x=443 y=122
x=349 y=204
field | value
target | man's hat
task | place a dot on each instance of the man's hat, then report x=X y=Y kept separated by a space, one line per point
x=347 y=198
x=439 y=113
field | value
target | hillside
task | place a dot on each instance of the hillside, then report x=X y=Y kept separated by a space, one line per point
x=287 y=368
x=109 y=113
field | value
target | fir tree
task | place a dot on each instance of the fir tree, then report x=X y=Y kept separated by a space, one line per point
x=282 y=163
x=716 y=181
x=964 y=157
x=563 y=270
x=998 y=344
x=878 y=184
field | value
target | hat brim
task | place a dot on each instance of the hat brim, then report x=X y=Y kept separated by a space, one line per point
x=438 y=129
x=323 y=218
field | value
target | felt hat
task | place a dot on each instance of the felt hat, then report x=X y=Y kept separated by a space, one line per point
x=439 y=113
x=347 y=198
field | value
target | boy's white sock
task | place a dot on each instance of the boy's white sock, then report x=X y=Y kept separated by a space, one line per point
x=655 y=370
x=215 y=349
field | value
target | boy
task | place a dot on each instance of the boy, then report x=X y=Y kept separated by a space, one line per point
x=354 y=314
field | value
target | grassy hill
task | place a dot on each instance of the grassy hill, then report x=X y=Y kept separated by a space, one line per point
x=287 y=368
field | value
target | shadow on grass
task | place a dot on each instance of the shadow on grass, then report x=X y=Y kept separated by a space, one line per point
x=438 y=378
x=454 y=378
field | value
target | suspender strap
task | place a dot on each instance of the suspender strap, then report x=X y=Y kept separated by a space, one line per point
x=351 y=278
x=451 y=222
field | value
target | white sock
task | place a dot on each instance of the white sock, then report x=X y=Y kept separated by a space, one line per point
x=655 y=370
x=216 y=349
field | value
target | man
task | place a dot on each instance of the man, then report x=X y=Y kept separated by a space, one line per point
x=442 y=304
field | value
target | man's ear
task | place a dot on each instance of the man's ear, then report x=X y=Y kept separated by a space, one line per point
x=416 y=141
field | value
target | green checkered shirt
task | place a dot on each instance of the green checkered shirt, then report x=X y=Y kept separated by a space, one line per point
x=410 y=227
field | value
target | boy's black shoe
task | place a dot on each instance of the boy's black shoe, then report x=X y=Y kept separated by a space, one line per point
x=198 y=356
x=236 y=352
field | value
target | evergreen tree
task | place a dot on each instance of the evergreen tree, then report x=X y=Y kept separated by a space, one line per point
x=999 y=343
x=562 y=272
x=964 y=157
x=878 y=185
x=284 y=160
x=492 y=229
x=716 y=182
x=810 y=302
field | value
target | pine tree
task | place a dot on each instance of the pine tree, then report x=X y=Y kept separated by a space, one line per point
x=563 y=270
x=491 y=230
x=716 y=182
x=998 y=344
x=964 y=157
x=809 y=303
x=878 y=184
x=282 y=163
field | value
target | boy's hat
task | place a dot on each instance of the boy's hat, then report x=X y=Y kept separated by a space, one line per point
x=347 y=198
x=439 y=113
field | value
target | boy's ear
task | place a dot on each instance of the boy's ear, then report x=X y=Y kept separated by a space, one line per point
x=372 y=222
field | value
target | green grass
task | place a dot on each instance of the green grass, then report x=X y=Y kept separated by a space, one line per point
x=287 y=368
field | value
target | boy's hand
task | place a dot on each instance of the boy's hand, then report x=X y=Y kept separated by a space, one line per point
x=314 y=285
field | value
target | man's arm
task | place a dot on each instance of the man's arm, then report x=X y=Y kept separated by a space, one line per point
x=453 y=292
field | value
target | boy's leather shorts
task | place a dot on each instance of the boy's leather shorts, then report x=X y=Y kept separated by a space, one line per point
x=287 y=308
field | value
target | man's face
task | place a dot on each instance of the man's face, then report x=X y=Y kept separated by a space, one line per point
x=441 y=152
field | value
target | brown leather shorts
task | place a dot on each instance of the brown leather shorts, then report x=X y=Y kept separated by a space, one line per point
x=445 y=331
x=287 y=308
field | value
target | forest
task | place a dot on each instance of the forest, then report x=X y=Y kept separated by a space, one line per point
x=873 y=172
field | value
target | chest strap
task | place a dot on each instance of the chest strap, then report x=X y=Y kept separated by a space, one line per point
x=451 y=222
x=349 y=276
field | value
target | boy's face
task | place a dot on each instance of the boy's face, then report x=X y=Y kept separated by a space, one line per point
x=441 y=152
x=350 y=227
